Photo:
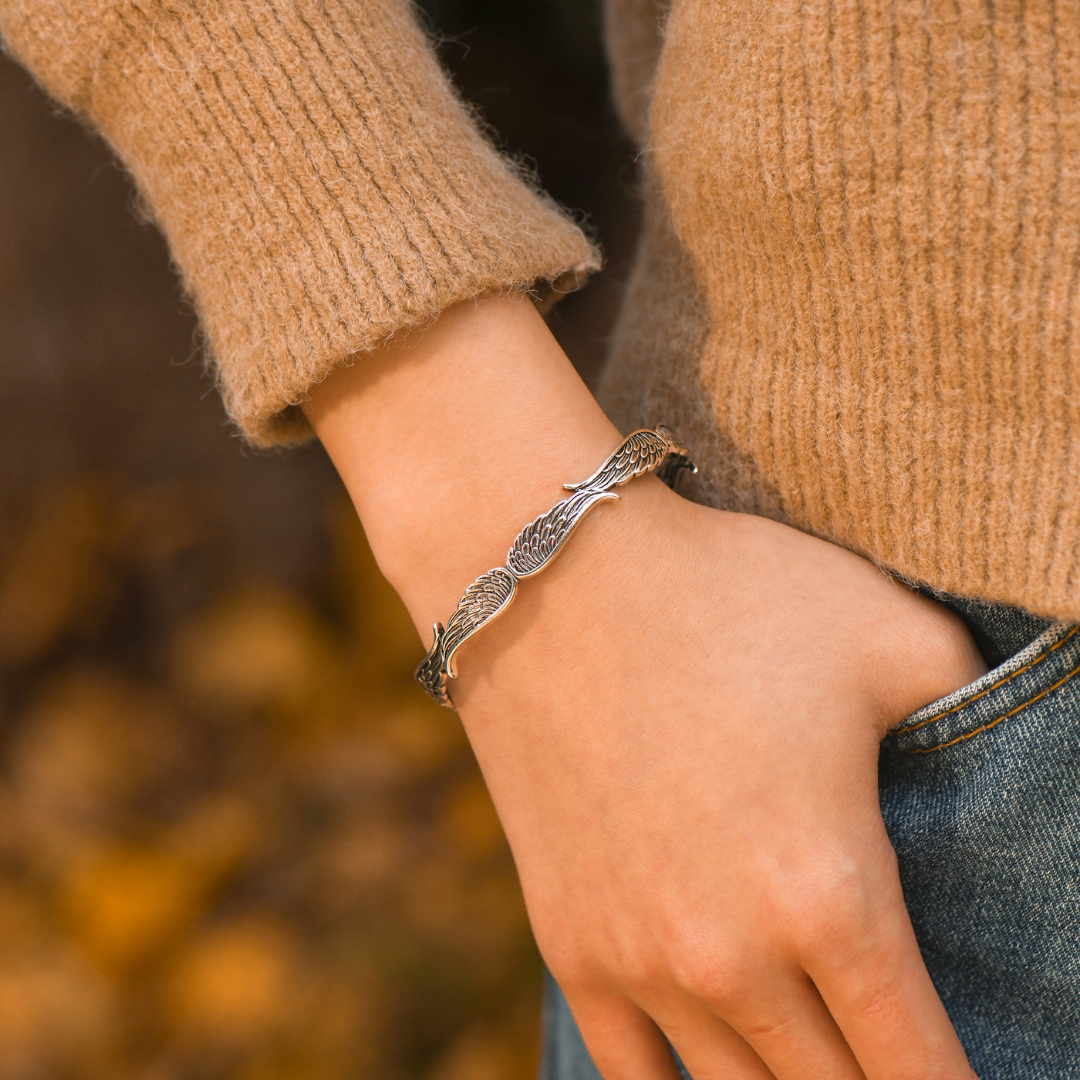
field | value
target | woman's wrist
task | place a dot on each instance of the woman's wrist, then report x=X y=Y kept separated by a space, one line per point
x=451 y=441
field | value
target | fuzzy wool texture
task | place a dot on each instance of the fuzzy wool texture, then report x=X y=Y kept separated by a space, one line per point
x=321 y=187
x=856 y=295
x=856 y=292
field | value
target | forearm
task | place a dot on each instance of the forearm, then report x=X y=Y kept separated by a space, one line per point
x=451 y=441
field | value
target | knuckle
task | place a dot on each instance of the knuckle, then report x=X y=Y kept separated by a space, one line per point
x=639 y=972
x=709 y=976
x=835 y=915
x=692 y=978
x=583 y=967
x=774 y=1027
x=875 y=1000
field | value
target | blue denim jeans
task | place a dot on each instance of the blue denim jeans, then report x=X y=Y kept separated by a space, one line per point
x=981 y=796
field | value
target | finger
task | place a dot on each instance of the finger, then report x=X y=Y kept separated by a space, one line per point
x=792 y=1031
x=711 y=1050
x=623 y=1042
x=876 y=986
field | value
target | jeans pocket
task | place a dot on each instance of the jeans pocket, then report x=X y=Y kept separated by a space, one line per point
x=980 y=795
x=1035 y=673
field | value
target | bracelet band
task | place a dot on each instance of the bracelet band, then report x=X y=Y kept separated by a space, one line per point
x=649 y=450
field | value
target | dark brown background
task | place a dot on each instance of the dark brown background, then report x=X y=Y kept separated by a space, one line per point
x=234 y=839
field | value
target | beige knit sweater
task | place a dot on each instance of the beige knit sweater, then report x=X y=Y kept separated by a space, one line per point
x=856 y=295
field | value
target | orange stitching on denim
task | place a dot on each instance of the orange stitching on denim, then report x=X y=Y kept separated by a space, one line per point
x=982 y=693
x=987 y=727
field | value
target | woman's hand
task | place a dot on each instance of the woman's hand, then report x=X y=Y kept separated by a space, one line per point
x=680 y=729
x=678 y=720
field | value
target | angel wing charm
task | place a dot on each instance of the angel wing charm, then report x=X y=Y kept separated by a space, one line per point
x=430 y=674
x=640 y=452
x=539 y=542
x=485 y=599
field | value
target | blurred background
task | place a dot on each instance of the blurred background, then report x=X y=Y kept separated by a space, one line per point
x=235 y=840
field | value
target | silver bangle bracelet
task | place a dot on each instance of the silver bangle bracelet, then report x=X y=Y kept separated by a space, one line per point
x=649 y=450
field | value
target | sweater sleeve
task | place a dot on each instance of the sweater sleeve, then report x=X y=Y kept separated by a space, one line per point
x=320 y=185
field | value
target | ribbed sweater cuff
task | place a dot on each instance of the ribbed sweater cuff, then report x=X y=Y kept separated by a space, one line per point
x=320 y=185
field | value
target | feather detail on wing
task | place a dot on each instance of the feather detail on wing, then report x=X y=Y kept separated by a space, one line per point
x=430 y=673
x=677 y=460
x=485 y=599
x=638 y=453
x=537 y=544
x=675 y=448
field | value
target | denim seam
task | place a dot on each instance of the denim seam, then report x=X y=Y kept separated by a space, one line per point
x=1001 y=682
x=986 y=727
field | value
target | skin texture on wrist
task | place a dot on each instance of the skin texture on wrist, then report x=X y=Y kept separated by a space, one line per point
x=451 y=441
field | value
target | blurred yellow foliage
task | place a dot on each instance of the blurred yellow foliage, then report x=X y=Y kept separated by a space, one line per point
x=236 y=841
x=124 y=905
x=55 y=1015
x=50 y=574
x=479 y=1055
x=420 y=735
x=217 y=834
x=255 y=648
x=488 y=1052
x=238 y=982
x=385 y=645
x=91 y=741
x=472 y=824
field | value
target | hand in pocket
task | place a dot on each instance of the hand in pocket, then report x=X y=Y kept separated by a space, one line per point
x=680 y=729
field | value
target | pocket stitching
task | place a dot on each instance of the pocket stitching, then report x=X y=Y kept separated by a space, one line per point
x=995 y=722
x=994 y=686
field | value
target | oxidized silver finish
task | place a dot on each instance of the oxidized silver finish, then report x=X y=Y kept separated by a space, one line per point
x=484 y=600
x=677 y=461
x=540 y=541
x=641 y=452
x=431 y=674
